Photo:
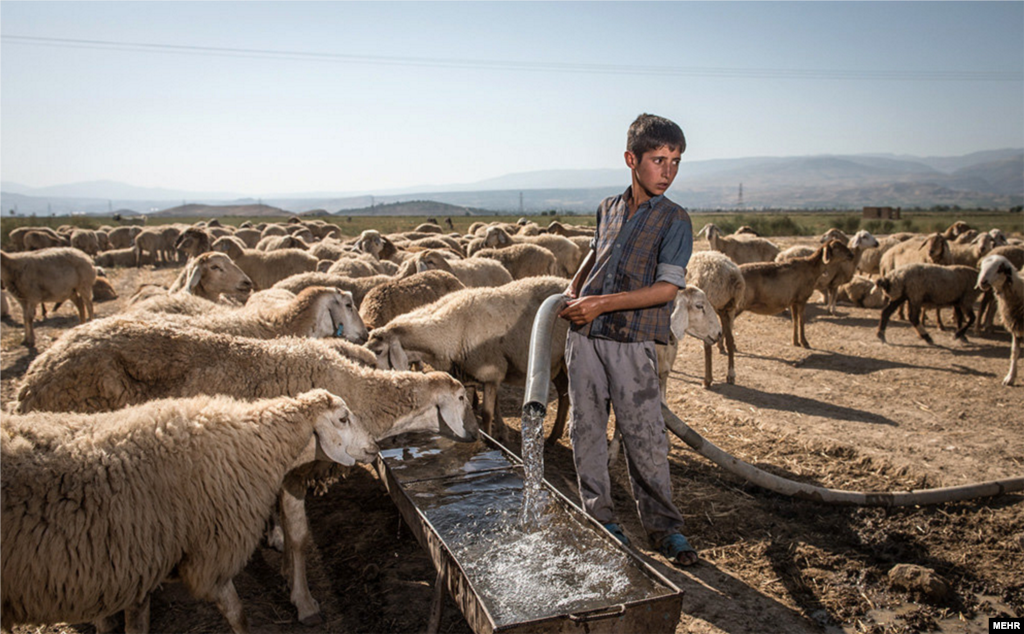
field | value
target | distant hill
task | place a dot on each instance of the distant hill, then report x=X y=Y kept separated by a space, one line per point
x=991 y=179
x=415 y=208
x=214 y=211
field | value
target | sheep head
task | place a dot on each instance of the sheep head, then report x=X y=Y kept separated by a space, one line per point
x=339 y=436
x=694 y=315
x=213 y=273
x=994 y=273
x=336 y=314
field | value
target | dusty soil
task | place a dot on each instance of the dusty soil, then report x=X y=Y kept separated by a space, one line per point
x=849 y=413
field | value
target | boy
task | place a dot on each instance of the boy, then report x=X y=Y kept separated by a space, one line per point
x=623 y=296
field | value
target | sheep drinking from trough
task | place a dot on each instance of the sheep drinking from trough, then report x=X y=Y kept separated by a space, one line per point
x=999 y=275
x=183 y=486
x=97 y=367
x=772 y=287
x=483 y=333
x=48 y=275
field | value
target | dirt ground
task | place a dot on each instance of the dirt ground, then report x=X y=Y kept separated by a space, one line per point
x=849 y=413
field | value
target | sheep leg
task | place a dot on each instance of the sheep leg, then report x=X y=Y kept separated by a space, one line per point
x=960 y=311
x=77 y=299
x=292 y=500
x=1014 y=355
x=226 y=598
x=799 y=312
x=914 y=314
x=28 y=313
x=938 y=320
x=707 y=364
x=136 y=618
x=887 y=312
x=730 y=344
x=491 y=417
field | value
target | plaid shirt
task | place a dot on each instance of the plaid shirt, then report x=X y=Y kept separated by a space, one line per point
x=653 y=245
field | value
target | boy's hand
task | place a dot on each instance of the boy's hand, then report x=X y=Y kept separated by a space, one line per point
x=583 y=311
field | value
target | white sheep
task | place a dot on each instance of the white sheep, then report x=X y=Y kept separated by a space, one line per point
x=772 y=287
x=693 y=314
x=722 y=282
x=48 y=275
x=316 y=312
x=472 y=272
x=356 y=265
x=1000 y=276
x=106 y=368
x=171 y=486
x=932 y=249
x=483 y=333
x=85 y=240
x=265 y=268
x=208 y=275
x=523 y=260
x=122 y=258
x=358 y=286
x=970 y=253
x=399 y=296
x=290 y=241
x=741 y=248
x=929 y=285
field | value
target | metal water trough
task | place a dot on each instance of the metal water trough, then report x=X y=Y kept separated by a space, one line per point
x=485 y=479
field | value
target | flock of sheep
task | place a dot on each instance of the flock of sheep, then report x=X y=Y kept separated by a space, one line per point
x=161 y=442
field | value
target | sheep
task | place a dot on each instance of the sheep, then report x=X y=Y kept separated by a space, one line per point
x=797 y=251
x=37 y=239
x=998 y=238
x=85 y=240
x=315 y=312
x=483 y=333
x=933 y=249
x=123 y=237
x=569 y=231
x=358 y=286
x=722 y=282
x=772 y=287
x=265 y=268
x=872 y=257
x=834 y=234
x=48 y=275
x=999 y=275
x=250 y=237
x=692 y=314
x=117 y=258
x=428 y=227
x=172 y=486
x=355 y=266
x=272 y=243
x=861 y=291
x=208 y=276
x=193 y=241
x=567 y=255
x=99 y=367
x=474 y=272
x=970 y=253
x=741 y=249
x=17 y=237
x=746 y=230
x=397 y=297
x=955 y=230
x=523 y=260
x=330 y=249
x=273 y=230
x=828 y=284
x=923 y=285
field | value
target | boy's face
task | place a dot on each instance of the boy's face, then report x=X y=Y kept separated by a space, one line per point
x=655 y=170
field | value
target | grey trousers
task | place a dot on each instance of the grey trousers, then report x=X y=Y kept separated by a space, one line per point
x=605 y=374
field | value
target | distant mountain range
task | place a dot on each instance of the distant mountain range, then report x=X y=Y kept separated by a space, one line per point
x=990 y=179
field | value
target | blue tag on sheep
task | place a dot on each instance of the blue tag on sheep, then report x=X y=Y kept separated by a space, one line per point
x=339 y=330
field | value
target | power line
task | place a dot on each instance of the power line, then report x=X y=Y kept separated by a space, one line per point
x=607 y=69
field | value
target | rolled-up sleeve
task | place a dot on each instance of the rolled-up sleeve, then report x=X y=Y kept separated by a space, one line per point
x=676 y=249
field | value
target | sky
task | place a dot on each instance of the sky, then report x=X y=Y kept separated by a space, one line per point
x=266 y=98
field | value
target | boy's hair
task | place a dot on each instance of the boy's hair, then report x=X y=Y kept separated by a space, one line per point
x=650 y=132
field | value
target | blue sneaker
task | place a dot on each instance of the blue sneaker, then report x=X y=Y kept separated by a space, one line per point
x=678 y=550
x=616 y=530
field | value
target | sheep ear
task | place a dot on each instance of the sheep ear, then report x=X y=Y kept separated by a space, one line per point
x=194 y=277
x=826 y=257
x=397 y=357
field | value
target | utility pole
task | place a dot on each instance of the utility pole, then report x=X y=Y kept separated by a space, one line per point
x=520 y=203
x=739 y=200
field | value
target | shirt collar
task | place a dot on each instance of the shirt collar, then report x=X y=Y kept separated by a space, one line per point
x=628 y=195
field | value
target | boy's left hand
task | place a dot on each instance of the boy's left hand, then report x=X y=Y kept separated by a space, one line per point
x=582 y=311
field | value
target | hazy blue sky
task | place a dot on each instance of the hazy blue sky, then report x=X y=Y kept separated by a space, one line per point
x=406 y=94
